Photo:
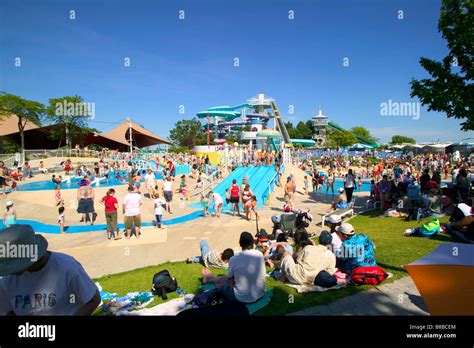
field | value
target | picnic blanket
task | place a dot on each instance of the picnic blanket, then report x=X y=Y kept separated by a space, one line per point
x=170 y=308
x=313 y=288
x=130 y=301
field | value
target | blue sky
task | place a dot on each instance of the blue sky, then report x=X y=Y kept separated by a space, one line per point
x=190 y=62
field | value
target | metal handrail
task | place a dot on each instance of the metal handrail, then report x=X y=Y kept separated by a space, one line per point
x=209 y=179
x=271 y=182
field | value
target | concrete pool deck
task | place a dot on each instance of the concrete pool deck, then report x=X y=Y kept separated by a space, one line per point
x=100 y=256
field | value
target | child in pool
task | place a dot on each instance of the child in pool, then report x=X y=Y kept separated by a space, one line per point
x=205 y=205
x=9 y=217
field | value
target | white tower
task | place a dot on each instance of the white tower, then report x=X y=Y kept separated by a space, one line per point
x=320 y=123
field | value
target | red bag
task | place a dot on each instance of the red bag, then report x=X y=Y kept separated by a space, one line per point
x=368 y=275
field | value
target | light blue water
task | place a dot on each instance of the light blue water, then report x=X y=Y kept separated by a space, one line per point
x=74 y=184
x=54 y=229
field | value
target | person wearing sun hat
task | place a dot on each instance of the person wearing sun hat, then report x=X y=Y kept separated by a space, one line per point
x=36 y=281
x=334 y=221
x=357 y=250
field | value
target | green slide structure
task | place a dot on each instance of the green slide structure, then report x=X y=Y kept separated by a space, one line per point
x=281 y=125
x=363 y=140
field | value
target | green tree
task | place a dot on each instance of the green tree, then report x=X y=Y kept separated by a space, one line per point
x=187 y=133
x=364 y=133
x=72 y=114
x=26 y=111
x=303 y=131
x=450 y=88
x=341 y=138
x=400 y=139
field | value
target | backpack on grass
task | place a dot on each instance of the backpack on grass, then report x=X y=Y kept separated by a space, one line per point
x=164 y=284
x=368 y=275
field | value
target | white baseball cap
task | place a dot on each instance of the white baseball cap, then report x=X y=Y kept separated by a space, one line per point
x=333 y=219
x=8 y=203
x=341 y=189
x=346 y=228
x=466 y=210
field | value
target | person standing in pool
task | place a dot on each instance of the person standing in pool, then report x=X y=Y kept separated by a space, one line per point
x=349 y=185
x=85 y=198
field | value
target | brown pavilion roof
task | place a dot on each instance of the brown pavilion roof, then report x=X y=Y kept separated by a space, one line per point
x=140 y=136
x=40 y=137
x=9 y=125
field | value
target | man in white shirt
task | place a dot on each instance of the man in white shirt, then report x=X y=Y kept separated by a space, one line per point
x=42 y=282
x=150 y=182
x=131 y=211
x=218 y=202
x=246 y=273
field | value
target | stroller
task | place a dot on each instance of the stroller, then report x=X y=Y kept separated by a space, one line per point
x=303 y=218
x=288 y=223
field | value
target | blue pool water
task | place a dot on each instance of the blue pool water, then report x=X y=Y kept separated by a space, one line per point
x=54 y=229
x=74 y=184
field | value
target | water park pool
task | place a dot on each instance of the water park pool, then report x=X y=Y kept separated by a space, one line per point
x=74 y=182
x=112 y=181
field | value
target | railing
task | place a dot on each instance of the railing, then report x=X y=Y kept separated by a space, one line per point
x=9 y=160
x=271 y=185
x=211 y=180
x=36 y=154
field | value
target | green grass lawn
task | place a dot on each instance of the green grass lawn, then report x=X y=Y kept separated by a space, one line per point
x=392 y=251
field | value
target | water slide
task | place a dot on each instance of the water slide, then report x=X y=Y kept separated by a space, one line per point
x=363 y=140
x=228 y=113
x=259 y=177
x=281 y=125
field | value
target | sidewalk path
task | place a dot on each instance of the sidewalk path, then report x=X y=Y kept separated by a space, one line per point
x=398 y=298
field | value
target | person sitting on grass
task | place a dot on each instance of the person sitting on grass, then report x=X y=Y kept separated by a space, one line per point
x=307 y=262
x=461 y=224
x=43 y=285
x=275 y=251
x=245 y=279
x=341 y=202
x=433 y=205
x=356 y=250
x=211 y=257
x=333 y=221
x=326 y=277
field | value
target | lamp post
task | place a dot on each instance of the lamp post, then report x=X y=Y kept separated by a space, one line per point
x=130 y=136
x=208 y=132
